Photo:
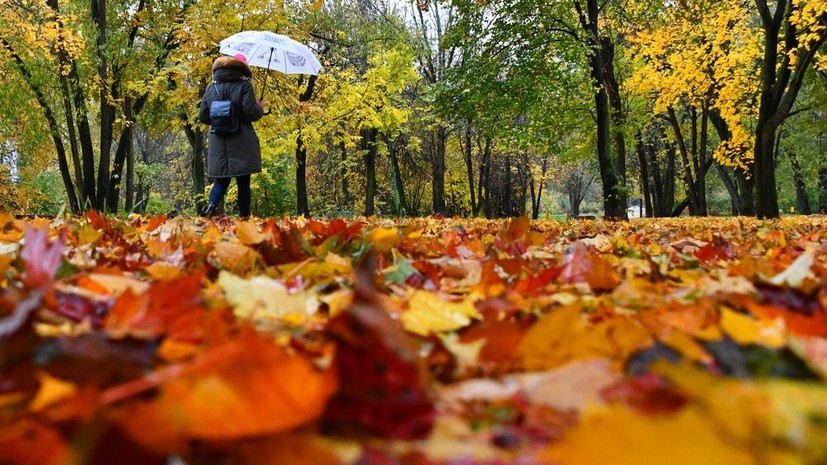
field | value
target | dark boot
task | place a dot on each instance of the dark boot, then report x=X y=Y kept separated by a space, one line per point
x=210 y=210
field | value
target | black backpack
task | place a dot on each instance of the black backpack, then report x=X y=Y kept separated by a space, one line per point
x=223 y=114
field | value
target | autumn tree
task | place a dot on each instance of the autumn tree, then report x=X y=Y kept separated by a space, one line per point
x=793 y=32
x=360 y=94
x=570 y=43
x=76 y=56
x=696 y=68
x=432 y=20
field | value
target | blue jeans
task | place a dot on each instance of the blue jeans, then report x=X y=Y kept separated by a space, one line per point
x=245 y=196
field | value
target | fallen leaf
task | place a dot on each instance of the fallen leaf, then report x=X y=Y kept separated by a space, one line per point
x=384 y=238
x=626 y=437
x=236 y=257
x=27 y=442
x=253 y=387
x=261 y=297
x=51 y=390
x=563 y=336
x=247 y=233
x=385 y=388
x=795 y=274
x=428 y=314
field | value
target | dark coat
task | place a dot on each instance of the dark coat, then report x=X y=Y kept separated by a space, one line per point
x=239 y=153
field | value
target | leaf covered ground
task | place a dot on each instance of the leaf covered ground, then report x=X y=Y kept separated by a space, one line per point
x=431 y=341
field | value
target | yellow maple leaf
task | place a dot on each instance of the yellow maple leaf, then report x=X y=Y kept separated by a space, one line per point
x=384 y=238
x=163 y=271
x=562 y=336
x=211 y=235
x=261 y=297
x=51 y=390
x=247 y=233
x=428 y=313
x=5 y=262
x=619 y=436
x=233 y=256
x=88 y=234
x=745 y=330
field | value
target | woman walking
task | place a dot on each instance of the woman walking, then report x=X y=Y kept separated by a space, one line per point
x=236 y=152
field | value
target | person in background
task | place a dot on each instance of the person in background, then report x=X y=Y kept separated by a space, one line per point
x=236 y=155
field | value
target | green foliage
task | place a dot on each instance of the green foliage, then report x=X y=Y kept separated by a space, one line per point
x=273 y=189
x=51 y=196
x=157 y=205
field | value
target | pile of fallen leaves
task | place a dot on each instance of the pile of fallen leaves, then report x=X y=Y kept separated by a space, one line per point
x=431 y=341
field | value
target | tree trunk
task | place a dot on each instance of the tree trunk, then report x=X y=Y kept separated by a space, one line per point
x=139 y=205
x=345 y=188
x=687 y=201
x=85 y=135
x=107 y=110
x=506 y=189
x=537 y=197
x=198 y=152
x=302 y=205
x=688 y=177
x=129 y=194
x=640 y=149
x=746 y=190
x=658 y=188
x=746 y=199
x=802 y=202
x=780 y=83
x=399 y=186
x=618 y=117
x=467 y=155
x=369 y=147
x=485 y=167
x=702 y=159
x=669 y=181
x=731 y=188
x=70 y=126
x=614 y=198
x=438 y=171
x=766 y=199
x=822 y=190
x=124 y=143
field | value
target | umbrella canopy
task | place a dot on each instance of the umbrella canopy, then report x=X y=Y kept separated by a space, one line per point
x=269 y=50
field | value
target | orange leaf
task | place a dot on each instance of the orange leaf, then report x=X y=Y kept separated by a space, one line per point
x=162 y=271
x=286 y=449
x=167 y=307
x=29 y=443
x=247 y=233
x=256 y=388
x=236 y=257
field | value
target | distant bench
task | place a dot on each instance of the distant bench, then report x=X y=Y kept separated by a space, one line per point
x=340 y=214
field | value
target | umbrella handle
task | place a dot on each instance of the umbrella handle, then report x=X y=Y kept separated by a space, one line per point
x=266 y=73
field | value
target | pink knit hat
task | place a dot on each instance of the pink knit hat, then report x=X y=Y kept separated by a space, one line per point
x=241 y=57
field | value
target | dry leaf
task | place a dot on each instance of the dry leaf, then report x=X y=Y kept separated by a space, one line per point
x=428 y=313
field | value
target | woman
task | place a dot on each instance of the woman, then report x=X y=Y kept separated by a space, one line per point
x=236 y=155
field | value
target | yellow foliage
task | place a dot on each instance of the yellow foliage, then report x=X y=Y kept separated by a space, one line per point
x=699 y=52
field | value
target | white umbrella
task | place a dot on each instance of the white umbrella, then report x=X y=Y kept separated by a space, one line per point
x=272 y=51
x=269 y=50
